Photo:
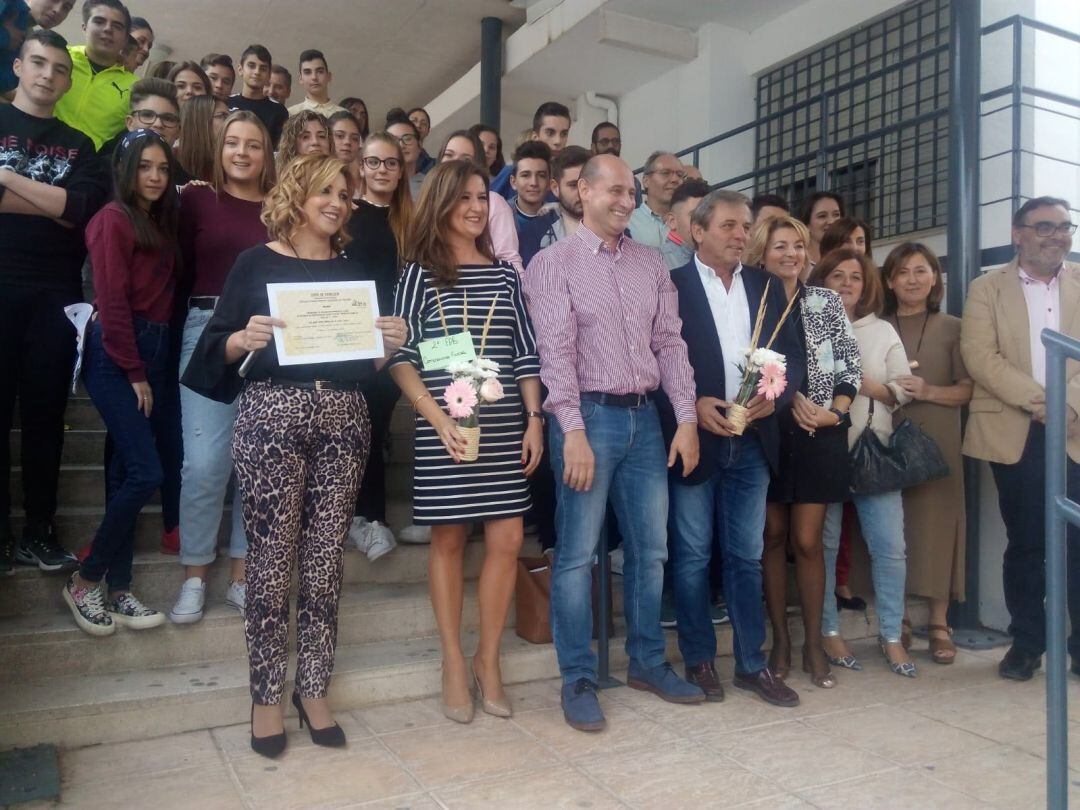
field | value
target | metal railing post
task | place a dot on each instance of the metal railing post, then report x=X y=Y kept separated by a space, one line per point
x=1058 y=347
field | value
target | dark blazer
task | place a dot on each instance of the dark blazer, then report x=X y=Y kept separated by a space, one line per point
x=707 y=359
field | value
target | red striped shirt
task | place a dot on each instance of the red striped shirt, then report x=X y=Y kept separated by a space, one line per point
x=606 y=322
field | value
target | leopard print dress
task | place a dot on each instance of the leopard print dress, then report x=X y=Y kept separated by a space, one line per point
x=299 y=456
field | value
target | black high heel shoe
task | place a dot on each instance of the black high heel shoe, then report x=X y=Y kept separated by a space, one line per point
x=331 y=737
x=270 y=747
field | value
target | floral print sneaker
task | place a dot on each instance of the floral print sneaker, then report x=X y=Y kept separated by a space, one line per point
x=88 y=607
x=128 y=611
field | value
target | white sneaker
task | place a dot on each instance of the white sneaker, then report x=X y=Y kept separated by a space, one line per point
x=189 y=604
x=236 y=595
x=615 y=556
x=380 y=540
x=358 y=533
x=415 y=534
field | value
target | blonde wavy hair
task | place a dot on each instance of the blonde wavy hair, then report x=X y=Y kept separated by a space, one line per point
x=304 y=177
x=763 y=234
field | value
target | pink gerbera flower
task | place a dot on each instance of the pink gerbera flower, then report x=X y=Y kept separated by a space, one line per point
x=772 y=381
x=460 y=398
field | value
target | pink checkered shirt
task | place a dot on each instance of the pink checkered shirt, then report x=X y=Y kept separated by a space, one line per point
x=606 y=322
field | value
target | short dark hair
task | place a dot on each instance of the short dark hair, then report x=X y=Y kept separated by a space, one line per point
x=311 y=54
x=603 y=125
x=259 y=52
x=217 y=60
x=808 y=204
x=47 y=38
x=549 y=108
x=344 y=115
x=772 y=200
x=1032 y=204
x=532 y=150
x=89 y=5
x=139 y=23
x=281 y=70
x=896 y=259
x=396 y=115
x=569 y=158
x=421 y=109
x=144 y=88
x=690 y=190
x=838 y=233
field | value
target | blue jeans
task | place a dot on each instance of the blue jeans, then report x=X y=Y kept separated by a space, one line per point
x=733 y=501
x=208 y=464
x=135 y=470
x=631 y=469
x=881 y=518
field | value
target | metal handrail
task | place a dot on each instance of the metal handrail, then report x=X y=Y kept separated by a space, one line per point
x=1059 y=511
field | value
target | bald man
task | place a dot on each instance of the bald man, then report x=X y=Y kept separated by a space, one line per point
x=603 y=375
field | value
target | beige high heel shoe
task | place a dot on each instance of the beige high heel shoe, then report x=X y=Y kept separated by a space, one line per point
x=459 y=714
x=498 y=708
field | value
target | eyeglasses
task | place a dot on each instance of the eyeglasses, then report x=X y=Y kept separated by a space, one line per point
x=1051 y=228
x=606 y=142
x=391 y=163
x=149 y=118
x=665 y=174
x=407 y=140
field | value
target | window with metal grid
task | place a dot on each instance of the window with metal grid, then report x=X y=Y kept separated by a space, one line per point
x=865 y=115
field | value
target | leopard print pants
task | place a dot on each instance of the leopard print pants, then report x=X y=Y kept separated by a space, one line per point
x=299 y=456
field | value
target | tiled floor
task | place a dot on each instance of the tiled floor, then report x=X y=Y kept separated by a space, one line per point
x=956 y=737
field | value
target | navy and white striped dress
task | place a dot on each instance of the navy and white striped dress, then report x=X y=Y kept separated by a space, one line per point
x=493 y=486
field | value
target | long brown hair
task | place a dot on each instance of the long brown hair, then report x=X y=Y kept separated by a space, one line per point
x=401 y=204
x=267 y=177
x=196 y=149
x=290 y=134
x=442 y=190
x=837 y=234
x=872 y=292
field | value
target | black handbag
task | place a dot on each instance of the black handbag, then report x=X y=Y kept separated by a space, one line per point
x=910 y=458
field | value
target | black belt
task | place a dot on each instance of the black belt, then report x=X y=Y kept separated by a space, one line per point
x=618 y=400
x=317 y=385
x=203 y=302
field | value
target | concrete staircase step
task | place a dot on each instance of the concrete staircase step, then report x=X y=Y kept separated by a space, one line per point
x=81 y=446
x=157 y=577
x=48 y=644
x=80 y=485
x=84 y=709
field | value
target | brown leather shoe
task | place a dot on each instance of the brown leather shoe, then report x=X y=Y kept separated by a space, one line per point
x=704 y=676
x=768 y=687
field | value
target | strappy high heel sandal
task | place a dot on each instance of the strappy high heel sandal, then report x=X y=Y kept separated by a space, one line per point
x=826 y=681
x=942 y=650
x=905 y=668
x=845 y=661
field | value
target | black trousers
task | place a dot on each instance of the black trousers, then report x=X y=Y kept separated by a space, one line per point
x=381 y=396
x=1021 y=492
x=37 y=356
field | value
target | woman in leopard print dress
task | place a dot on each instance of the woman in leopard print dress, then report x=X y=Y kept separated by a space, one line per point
x=300 y=445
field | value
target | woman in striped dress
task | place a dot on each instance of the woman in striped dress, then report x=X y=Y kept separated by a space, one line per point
x=454 y=285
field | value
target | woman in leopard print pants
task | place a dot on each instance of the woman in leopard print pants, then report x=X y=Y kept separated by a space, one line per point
x=300 y=445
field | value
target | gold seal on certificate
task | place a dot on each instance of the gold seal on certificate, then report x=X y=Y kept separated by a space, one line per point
x=325 y=322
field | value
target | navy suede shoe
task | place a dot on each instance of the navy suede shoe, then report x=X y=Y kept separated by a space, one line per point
x=581 y=708
x=664 y=683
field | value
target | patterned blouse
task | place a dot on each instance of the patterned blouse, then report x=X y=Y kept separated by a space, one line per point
x=833 y=364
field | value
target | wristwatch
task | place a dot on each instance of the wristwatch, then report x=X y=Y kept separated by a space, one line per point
x=842 y=417
x=535 y=414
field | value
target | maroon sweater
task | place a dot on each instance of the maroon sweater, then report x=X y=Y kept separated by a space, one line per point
x=214 y=230
x=129 y=283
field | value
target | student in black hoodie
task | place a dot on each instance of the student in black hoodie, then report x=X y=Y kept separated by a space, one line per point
x=50 y=186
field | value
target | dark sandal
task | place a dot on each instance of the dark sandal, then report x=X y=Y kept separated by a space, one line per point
x=942 y=650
